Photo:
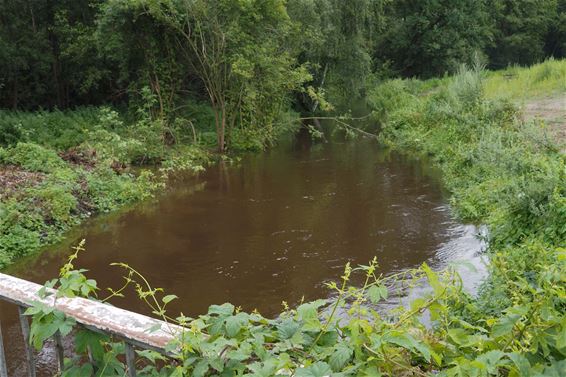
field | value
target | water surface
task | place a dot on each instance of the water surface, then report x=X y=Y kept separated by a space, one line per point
x=273 y=228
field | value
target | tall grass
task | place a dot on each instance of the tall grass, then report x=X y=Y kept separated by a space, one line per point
x=519 y=83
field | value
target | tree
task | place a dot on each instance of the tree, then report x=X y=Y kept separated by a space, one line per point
x=521 y=28
x=48 y=54
x=335 y=39
x=238 y=50
x=432 y=37
x=25 y=61
x=555 y=44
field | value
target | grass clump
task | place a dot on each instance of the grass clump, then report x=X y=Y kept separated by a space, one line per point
x=520 y=83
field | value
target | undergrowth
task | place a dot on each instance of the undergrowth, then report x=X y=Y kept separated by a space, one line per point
x=58 y=168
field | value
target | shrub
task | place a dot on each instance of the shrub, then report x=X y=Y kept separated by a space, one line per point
x=33 y=157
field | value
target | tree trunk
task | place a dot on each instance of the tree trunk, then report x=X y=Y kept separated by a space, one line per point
x=222 y=132
x=56 y=63
x=315 y=105
x=15 y=99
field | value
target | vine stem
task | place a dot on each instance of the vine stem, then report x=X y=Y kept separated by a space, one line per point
x=335 y=307
x=420 y=373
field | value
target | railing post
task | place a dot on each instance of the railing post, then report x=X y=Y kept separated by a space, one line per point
x=3 y=365
x=60 y=351
x=25 y=332
x=131 y=360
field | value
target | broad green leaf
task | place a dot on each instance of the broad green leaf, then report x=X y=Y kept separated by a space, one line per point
x=505 y=325
x=376 y=293
x=521 y=362
x=200 y=368
x=79 y=371
x=222 y=310
x=266 y=368
x=318 y=369
x=491 y=359
x=235 y=323
x=167 y=299
x=287 y=328
x=410 y=343
x=340 y=357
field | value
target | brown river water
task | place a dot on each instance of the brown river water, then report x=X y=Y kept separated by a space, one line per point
x=274 y=227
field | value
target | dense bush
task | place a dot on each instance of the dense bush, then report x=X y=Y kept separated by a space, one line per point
x=57 y=129
x=32 y=157
x=82 y=160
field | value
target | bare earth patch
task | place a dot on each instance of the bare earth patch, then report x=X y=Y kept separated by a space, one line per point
x=552 y=110
x=13 y=179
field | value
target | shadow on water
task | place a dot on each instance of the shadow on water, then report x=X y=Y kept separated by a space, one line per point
x=273 y=227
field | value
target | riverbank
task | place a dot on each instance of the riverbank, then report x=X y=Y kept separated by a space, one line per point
x=506 y=168
x=59 y=168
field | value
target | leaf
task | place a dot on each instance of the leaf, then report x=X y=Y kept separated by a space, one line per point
x=200 y=369
x=86 y=338
x=308 y=313
x=222 y=310
x=318 y=369
x=310 y=310
x=287 y=329
x=75 y=371
x=178 y=372
x=235 y=323
x=154 y=328
x=152 y=356
x=491 y=360
x=340 y=357
x=243 y=352
x=521 y=362
x=66 y=326
x=459 y=336
x=266 y=368
x=410 y=343
x=505 y=325
x=432 y=279
x=376 y=293
x=561 y=339
x=555 y=369
x=371 y=372
x=217 y=364
x=167 y=299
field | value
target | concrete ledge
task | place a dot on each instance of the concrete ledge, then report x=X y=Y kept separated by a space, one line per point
x=129 y=326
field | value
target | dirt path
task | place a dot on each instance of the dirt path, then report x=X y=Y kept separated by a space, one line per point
x=553 y=111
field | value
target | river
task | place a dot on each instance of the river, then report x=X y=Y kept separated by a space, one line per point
x=273 y=227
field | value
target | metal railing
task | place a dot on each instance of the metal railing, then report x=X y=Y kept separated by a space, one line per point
x=130 y=327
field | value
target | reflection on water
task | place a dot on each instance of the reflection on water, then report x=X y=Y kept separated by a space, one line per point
x=274 y=227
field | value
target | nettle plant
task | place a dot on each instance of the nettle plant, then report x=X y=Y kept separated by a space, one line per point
x=360 y=331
